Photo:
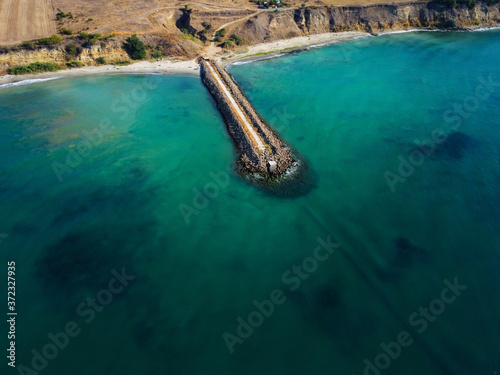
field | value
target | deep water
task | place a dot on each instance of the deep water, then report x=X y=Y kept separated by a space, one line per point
x=104 y=173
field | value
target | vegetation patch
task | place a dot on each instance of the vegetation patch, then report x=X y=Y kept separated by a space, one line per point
x=60 y=15
x=156 y=51
x=122 y=62
x=89 y=39
x=50 y=41
x=27 y=45
x=233 y=40
x=36 y=67
x=219 y=35
x=135 y=48
x=73 y=50
x=74 y=64
x=469 y=3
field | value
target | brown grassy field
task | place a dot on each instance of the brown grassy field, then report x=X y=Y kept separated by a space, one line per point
x=22 y=20
x=25 y=20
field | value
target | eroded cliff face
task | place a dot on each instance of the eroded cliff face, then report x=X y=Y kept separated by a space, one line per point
x=59 y=56
x=371 y=18
x=111 y=51
x=165 y=28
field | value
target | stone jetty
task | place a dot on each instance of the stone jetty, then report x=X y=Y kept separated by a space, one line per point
x=261 y=151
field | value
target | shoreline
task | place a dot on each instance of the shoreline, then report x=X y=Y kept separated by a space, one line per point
x=284 y=46
x=255 y=52
x=166 y=66
x=189 y=67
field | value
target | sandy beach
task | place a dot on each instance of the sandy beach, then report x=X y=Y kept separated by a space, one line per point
x=190 y=67
x=287 y=45
x=165 y=66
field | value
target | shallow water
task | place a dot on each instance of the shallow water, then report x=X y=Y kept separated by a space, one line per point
x=353 y=110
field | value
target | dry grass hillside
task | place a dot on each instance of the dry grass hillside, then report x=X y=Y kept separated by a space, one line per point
x=22 y=20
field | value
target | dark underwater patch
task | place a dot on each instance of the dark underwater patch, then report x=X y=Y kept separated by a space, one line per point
x=453 y=147
x=327 y=297
x=82 y=260
x=318 y=305
x=103 y=228
x=407 y=253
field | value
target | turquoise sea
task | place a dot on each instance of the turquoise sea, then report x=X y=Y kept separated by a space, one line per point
x=138 y=250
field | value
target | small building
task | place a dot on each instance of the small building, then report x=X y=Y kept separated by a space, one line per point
x=272 y=166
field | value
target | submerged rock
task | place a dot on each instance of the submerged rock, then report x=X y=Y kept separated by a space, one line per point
x=453 y=147
x=406 y=253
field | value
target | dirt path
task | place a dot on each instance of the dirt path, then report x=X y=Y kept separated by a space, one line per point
x=211 y=50
x=144 y=15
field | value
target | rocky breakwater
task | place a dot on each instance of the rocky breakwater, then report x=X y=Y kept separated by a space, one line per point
x=263 y=155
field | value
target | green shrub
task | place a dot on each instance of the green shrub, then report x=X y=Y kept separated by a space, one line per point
x=222 y=33
x=157 y=55
x=100 y=60
x=60 y=15
x=74 y=64
x=206 y=25
x=54 y=39
x=469 y=3
x=73 y=50
x=90 y=19
x=105 y=38
x=36 y=67
x=66 y=32
x=90 y=39
x=122 y=62
x=227 y=44
x=27 y=45
x=135 y=48
x=236 y=39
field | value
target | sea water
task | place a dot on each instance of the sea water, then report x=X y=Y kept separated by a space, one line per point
x=139 y=250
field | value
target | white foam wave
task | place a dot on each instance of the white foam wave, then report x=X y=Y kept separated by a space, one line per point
x=401 y=32
x=27 y=82
x=486 y=29
x=258 y=58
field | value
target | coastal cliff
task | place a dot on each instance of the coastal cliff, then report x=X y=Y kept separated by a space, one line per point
x=183 y=35
x=267 y=27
